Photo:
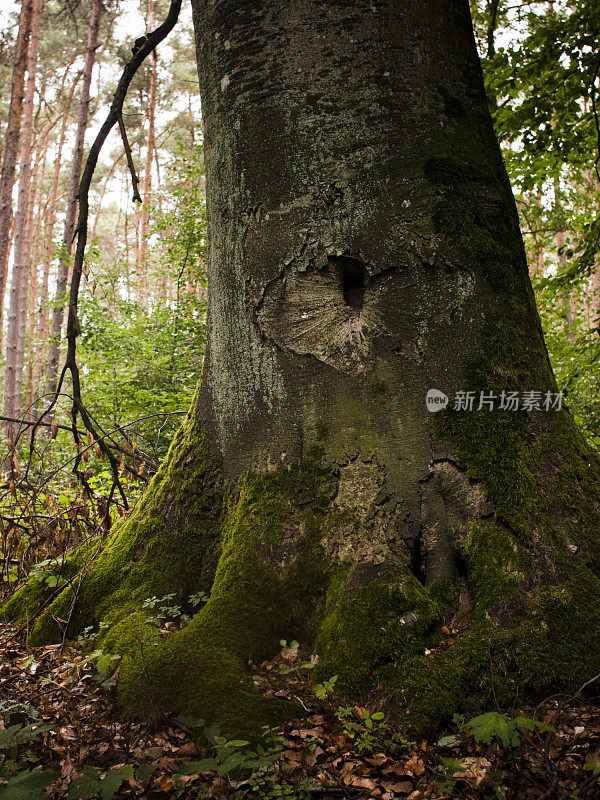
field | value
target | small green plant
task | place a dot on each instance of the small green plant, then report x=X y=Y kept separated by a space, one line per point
x=508 y=731
x=368 y=731
x=22 y=783
x=105 y=665
x=44 y=573
x=261 y=766
x=198 y=599
x=325 y=688
x=449 y=767
x=291 y=661
x=162 y=608
x=26 y=785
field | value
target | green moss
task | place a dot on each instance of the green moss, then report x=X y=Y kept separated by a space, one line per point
x=552 y=648
x=367 y=626
x=496 y=449
x=270 y=575
x=496 y=563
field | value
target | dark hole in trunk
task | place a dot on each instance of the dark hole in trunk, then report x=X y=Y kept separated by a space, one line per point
x=353 y=277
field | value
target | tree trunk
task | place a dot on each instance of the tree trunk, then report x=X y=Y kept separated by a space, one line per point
x=49 y=223
x=69 y=227
x=22 y=239
x=11 y=148
x=28 y=310
x=364 y=248
x=147 y=182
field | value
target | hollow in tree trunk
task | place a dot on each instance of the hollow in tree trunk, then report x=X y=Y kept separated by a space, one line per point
x=364 y=248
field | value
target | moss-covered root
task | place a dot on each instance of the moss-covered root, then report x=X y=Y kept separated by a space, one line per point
x=169 y=544
x=270 y=574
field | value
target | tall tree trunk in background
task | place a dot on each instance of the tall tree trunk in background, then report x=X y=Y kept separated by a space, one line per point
x=22 y=240
x=41 y=354
x=71 y=211
x=11 y=149
x=364 y=249
x=147 y=182
x=107 y=180
x=30 y=307
x=569 y=296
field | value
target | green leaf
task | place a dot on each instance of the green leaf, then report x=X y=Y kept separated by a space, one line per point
x=531 y=724
x=104 y=662
x=86 y=786
x=230 y=763
x=110 y=784
x=486 y=726
x=144 y=772
x=191 y=767
x=212 y=733
x=28 y=786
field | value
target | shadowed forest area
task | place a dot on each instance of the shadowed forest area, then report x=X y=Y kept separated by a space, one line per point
x=98 y=379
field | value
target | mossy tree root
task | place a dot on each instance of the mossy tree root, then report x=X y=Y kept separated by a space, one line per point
x=526 y=603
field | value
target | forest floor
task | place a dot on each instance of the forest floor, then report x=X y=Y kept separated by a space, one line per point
x=59 y=715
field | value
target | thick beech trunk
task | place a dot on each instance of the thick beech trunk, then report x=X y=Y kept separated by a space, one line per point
x=364 y=247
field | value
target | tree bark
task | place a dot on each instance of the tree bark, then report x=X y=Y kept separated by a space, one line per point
x=144 y=218
x=22 y=240
x=69 y=226
x=364 y=248
x=147 y=183
x=49 y=224
x=11 y=148
x=28 y=312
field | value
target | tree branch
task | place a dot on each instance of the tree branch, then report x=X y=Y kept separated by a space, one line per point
x=142 y=49
x=134 y=178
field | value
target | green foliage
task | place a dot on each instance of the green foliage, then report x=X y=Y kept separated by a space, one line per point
x=449 y=767
x=325 y=688
x=540 y=80
x=368 y=731
x=14 y=736
x=494 y=725
x=90 y=783
x=20 y=783
x=291 y=662
x=46 y=575
x=28 y=785
x=260 y=766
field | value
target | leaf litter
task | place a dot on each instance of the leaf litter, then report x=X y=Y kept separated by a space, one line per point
x=325 y=754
